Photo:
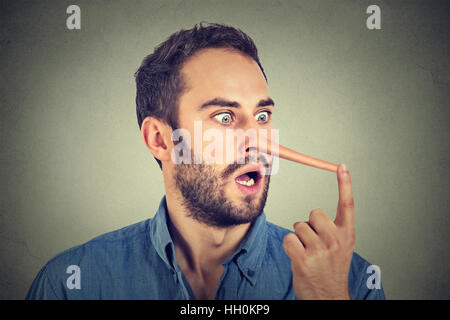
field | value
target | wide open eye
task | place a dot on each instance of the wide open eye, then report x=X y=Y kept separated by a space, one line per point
x=262 y=116
x=223 y=118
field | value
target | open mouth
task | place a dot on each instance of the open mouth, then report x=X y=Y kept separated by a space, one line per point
x=248 y=179
x=249 y=182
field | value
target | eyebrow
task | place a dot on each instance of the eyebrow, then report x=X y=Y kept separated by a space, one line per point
x=233 y=104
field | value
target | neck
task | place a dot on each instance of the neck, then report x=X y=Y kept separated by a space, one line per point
x=199 y=247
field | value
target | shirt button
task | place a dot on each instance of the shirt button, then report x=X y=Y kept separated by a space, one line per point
x=250 y=273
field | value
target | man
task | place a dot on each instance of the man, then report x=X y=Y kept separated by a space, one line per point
x=209 y=238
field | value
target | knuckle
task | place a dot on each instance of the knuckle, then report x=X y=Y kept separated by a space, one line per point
x=288 y=241
x=308 y=260
x=351 y=240
x=317 y=256
x=300 y=226
x=335 y=245
x=349 y=203
x=315 y=215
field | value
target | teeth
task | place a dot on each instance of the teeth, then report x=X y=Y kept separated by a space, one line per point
x=246 y=183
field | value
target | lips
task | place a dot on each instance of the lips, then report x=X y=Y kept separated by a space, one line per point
x=248 y=181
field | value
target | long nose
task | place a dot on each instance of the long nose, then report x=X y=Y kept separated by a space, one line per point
x=283 y=152
x=260 y=146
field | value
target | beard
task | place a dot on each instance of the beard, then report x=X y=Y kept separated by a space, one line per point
x=202 y=188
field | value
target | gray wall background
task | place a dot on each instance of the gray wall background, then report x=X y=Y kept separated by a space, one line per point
x=73 y=165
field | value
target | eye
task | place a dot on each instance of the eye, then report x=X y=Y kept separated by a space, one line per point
x=262 y=116
x=223 y=118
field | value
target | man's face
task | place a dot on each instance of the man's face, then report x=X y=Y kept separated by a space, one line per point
x=225 y=91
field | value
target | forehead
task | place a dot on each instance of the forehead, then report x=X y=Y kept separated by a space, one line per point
x=219 y=72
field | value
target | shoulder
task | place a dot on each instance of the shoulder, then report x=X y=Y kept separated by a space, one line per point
x=275 y=232
x=101 y=255
x=274 y=250
x=275 y=237
x=106 y=244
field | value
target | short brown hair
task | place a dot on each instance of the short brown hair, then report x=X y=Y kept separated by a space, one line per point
x=159 y=83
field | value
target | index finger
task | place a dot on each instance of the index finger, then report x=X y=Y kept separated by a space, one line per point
x=345 y=210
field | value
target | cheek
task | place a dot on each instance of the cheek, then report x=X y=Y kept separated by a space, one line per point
x=210 y=145
x=218 y=170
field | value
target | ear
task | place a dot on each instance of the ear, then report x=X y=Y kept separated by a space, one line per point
x=157 y=136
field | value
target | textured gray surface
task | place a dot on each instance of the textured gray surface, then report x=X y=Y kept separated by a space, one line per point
x=73 y=165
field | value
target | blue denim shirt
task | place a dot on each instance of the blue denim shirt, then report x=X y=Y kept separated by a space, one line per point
x=138 y=262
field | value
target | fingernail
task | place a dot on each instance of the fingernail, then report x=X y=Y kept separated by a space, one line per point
x=343 y=168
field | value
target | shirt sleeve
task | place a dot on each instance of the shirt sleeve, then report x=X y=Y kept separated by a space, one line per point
x=361 y=277
x=375 y=294
x=42 y=288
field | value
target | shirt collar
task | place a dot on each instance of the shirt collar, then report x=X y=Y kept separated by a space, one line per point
x=248 y=256
x=160 y=236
